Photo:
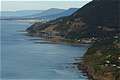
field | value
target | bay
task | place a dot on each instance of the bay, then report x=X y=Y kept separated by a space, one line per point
x=22 y=58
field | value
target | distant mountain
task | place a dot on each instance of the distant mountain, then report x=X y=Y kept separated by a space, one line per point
x=49 y=14
x=54 y=16
x=11 y=14
x=30 y=14
x=50 y=11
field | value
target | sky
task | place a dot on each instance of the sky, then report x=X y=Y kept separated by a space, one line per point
x=15 y=5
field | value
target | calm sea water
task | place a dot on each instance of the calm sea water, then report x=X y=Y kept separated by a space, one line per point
x=23 y=58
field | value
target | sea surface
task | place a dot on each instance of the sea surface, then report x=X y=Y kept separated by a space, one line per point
x=30 y=58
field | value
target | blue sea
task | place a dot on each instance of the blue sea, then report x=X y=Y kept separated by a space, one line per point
x=31 y=58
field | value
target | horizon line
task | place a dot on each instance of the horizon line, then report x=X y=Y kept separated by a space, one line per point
x=38 y=9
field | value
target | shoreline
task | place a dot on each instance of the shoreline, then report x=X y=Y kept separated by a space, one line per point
x=79 y=65
x=99 y=63
x=51 y=41
x=89 y=62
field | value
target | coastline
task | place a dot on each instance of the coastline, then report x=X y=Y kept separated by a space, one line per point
x=85 y=64
x=94 y=26
x=93 y=59
x=101 y=61
x=59 y=41
x=79 y=65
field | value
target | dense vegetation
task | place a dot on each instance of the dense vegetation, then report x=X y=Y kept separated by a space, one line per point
x=102 y=60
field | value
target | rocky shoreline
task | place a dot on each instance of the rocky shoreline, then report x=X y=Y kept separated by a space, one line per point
x=90 y=65
x=102 y=61
x=98 y=48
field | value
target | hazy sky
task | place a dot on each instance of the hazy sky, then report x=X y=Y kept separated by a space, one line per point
x=13 y=5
